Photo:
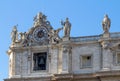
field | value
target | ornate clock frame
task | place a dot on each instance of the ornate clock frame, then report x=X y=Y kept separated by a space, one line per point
x=40 y=34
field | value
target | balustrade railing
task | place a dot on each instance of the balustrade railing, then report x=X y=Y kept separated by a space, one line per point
x=93 y=38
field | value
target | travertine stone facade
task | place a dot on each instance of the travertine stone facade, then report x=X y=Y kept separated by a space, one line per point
x=42 y=55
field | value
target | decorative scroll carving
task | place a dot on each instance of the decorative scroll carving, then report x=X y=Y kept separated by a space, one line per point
x=41 y=33
x=40 y=19
x=24 y=39
x=67 y=49
x=54 y=36
x=105 y=44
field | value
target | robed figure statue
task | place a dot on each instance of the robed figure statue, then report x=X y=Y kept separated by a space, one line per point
x=106 y=24
x=66 y=27
x=14 y=35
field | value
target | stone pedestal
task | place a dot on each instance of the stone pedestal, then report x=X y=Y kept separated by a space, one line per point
x=65 y=39
x=106 y=35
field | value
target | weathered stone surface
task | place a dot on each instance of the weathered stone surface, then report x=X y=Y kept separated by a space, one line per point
x=64 y=60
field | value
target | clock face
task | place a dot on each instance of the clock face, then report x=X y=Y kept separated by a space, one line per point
x=40 y=34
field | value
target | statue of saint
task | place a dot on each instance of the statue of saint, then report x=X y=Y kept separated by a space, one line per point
x=106 y=24
x=67 y=27
x=14 y=34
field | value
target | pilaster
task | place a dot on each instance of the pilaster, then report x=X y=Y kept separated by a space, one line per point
x=106 y=52
x=66 y=56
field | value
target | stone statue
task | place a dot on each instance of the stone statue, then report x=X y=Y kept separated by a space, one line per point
x=66 y=27
x=23 y=35
x=14 y=34
x=106 y=24
x=39 y=19
x=24 y=38
x=54 y=35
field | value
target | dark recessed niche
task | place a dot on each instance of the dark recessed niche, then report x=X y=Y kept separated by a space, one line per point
x=39 y=61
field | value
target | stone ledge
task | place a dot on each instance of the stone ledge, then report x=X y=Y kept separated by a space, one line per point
x=98 y=76
x=30 y=79
x=87 y=76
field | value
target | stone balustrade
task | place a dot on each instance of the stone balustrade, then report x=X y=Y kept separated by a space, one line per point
x=93 y=38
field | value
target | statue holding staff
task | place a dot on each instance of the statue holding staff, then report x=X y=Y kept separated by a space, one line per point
x=66 y=27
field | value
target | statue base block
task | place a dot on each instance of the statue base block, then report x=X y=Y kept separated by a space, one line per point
x=66 y=39
x=106 y=35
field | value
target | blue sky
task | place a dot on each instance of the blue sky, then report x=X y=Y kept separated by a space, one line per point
x=85 y=16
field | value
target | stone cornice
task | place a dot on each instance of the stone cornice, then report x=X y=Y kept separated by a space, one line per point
x=97 y=75
x=87 y=76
